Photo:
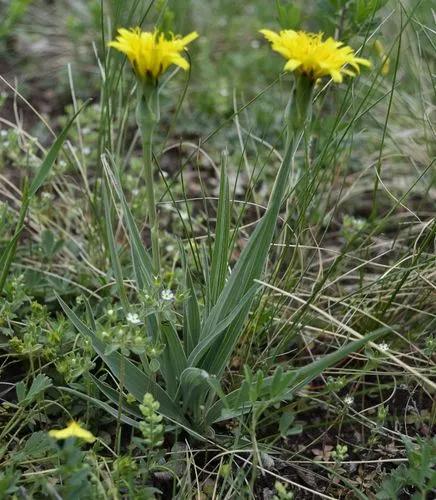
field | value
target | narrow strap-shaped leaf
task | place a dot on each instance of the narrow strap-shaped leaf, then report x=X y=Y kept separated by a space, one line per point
x=28 y=193
x=51 y=156
x=173 y=359
x=112 y=411
x=114 y=396
x=141 y=260
x=113 y=252
x=89 y=314
x=217 y=357
x=307 y=373
x=248 y=268
x=296 y=379
x=214 y=334
x=191 y=311
x=219 y=264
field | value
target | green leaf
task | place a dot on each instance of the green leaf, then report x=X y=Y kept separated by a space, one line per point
x=291 y=381
x=218 y=330
x=191 y=311
x=112 y=411
x=38 y=444
x=141 y=260
x=40 y=383
x=219 y=263
x=307 y=373
x=173 y=359
x=248 y=268
x=286 y=420
x=114 y=396
x=52 y=154
x=113 y=252
x=193 y=382
x=21 y=391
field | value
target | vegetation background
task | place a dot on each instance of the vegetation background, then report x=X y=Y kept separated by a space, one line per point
x=353 y=253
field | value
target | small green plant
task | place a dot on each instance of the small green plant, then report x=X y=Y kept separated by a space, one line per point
x=417 y=477
x=151 y=426
x=282 y=492
x=74 y=473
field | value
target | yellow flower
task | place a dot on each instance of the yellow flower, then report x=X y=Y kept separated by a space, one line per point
x=152 y=53
x=73 y=430
x=309 y=54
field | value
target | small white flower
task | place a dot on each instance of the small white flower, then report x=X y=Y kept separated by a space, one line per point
x=384 y=346
x=223 y=92
x=167 y=295
x=135 y=191
x=133 y=318
x=86 y=130
x=4 y=133
x=86 y=151
x=349 y=400
x=110 y=312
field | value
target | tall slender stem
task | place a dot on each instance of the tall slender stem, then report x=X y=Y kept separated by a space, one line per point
x=151 y=200
x=147 y=116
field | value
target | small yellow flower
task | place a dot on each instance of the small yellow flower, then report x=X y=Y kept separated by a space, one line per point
x=309 y=54
x=73 y=430
x=152 y=53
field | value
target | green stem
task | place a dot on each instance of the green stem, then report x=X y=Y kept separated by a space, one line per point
x=147 y=115
x=151 y=204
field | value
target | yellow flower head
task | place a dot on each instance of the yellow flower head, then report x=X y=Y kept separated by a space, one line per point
x=309 y=54
x=152 y=53
x=73 y=430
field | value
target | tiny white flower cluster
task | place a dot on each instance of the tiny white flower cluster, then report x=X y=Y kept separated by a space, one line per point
x=133 y=318
x=349 y=400
x=384 y=346
x=167 y=295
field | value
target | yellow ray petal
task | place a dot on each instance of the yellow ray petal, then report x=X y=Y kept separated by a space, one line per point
x=73 y=430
